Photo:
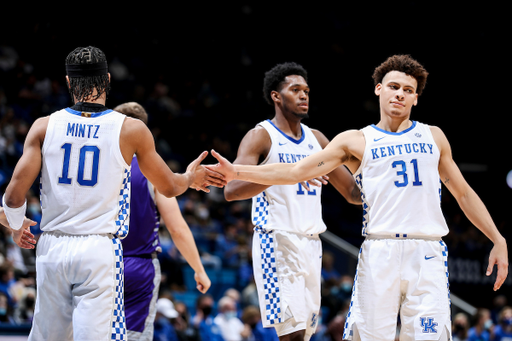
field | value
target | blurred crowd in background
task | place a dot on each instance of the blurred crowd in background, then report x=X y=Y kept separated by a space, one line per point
x=188 y=114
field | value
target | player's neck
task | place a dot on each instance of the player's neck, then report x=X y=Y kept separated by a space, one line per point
x=394 y=125
x=288 y=125
x=91 y=99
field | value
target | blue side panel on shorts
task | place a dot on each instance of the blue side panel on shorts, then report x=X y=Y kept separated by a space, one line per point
x=445 y=258
x=260 y=210
x=118 y=318
x=123 y=216
x=272 y=307
x=347 y=331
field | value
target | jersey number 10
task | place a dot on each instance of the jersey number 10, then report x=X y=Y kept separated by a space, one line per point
x=65 y=179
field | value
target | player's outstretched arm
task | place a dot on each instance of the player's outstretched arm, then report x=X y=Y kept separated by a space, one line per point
x=254 y=146
x=22 y=237
x=340 y=177
x=313 y=166
x=137 y=139
x=182 y=237
x=473 y=207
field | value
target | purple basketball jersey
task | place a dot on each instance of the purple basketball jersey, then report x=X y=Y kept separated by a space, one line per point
x=144 y=219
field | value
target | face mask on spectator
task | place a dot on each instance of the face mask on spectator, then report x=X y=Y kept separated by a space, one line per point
x=230 y=314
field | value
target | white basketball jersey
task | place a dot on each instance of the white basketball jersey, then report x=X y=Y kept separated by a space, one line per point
x=85 y=181
x=289 y=207
x=400 y=184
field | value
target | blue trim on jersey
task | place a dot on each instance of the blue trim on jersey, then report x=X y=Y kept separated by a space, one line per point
x=288 y=137
x=93 y=114
x=396 y=134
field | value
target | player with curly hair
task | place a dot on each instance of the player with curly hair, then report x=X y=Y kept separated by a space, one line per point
x=287 y=219
x=398 y=164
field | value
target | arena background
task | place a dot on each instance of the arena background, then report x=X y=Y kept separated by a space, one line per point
x=211 y=60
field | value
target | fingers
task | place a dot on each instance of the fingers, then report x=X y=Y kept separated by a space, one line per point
x=502 y=275
x=26 y=240
x=219 y=157
x=305 y=185
x=201 y=288
x=214 y=178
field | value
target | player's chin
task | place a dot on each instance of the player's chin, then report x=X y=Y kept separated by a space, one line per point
x=301 y=115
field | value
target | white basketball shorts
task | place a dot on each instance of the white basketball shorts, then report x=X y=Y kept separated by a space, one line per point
x=406 y=276
x=79 y=288
x=287 y=272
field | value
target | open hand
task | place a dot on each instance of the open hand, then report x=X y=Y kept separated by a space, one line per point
x=23 y=237
x=224 y=167
x=317 y=182
x=203 y=176
x=498 y=256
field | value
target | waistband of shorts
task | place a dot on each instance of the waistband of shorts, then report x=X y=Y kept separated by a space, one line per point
x=60 y=233
x=401 y=236
x=260 y=229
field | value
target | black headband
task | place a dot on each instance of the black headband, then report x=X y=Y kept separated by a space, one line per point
x=86 y=70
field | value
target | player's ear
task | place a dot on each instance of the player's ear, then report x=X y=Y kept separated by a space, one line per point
x=67 y=81
x=276 y=96
x=415 y=100
x=378 y=88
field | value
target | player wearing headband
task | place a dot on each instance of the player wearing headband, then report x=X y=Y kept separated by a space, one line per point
x=83 y=154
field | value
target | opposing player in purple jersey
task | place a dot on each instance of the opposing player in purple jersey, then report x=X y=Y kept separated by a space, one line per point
x=141 y=246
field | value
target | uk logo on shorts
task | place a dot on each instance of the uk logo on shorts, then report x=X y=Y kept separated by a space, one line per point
x=428 y=325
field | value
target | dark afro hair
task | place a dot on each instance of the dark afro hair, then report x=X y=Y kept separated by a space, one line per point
x=82 y=88
x=405 y=64
x=276 y=76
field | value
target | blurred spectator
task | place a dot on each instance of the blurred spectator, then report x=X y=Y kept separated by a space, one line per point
x=184 y=330
x=5 y=310
x=7 y=282
x=235 y=295
x=460 y=327
x=328 y=271
x=251 y=317
x=232 y=328
x=503 y=330
x=482 y=329
x=250 y=295
x=203 y=320
x=335 y=294
x=24 y=312
x=164 y=329
x=498 y=303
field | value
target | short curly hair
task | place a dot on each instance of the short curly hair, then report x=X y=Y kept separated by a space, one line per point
x=403 y=63
x=276 y=76
x=82 y=88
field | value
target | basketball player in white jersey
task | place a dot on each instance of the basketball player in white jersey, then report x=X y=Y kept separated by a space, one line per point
x=84 y=154
x=288 y=218
x=398 y=164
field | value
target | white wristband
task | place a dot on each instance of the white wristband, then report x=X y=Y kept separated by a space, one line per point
x=15 y=216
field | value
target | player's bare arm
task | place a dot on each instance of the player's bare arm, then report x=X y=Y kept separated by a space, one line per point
x=137 y=139
x=26 y=171
x=472 y=206
x=253 y=149
x=340 y=177
x=337 y=152
x=29 y=165
x=182 y=237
